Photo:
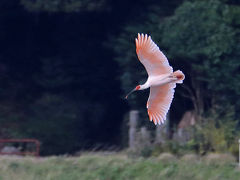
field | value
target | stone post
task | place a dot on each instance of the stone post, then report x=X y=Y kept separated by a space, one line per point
x=133 y=118
x=145 y=137
x=162 y=131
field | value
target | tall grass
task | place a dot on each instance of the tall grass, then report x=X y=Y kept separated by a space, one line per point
x=112 y=167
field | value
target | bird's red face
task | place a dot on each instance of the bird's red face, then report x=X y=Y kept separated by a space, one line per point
x=135 y=89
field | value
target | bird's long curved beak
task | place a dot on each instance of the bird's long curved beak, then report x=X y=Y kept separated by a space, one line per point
x=130 y=93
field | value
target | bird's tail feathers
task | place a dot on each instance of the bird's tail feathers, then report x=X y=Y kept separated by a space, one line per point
x=179 y=74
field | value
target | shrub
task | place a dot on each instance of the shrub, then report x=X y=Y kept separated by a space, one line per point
x=190 y=158
x=217 y=132
x=219 y=159
x=167 y=157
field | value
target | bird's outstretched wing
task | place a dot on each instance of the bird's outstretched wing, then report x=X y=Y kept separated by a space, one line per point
x=154 y=61
x=159 y=102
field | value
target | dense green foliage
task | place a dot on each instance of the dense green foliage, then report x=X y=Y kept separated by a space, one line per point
x=203 y=37
x=115 y=167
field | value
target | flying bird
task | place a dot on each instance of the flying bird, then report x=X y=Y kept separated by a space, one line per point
x=161 y=78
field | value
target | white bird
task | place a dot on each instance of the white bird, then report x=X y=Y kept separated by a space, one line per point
x=161 y=78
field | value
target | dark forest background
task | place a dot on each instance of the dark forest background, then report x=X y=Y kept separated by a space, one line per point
x=65 y=66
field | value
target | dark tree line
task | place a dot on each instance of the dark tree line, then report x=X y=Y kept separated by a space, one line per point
x=58 y=83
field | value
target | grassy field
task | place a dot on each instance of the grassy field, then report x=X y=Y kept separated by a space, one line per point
x=114 y=167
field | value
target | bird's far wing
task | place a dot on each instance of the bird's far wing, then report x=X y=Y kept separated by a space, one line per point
x=154 y=61
x=159 y=102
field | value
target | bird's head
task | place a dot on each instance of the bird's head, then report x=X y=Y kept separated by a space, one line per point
x=138 y=87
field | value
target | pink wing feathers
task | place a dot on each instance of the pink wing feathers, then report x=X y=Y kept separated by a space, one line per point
x=159 y=102
x=154 y=61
